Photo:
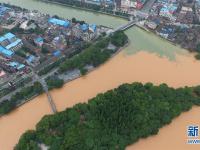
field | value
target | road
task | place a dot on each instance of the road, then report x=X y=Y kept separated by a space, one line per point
x=35 y=78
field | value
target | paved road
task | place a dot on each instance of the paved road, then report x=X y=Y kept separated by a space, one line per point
x=8 y=96
x=35 y=78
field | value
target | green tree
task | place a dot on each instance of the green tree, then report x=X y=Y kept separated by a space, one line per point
x=114 y=119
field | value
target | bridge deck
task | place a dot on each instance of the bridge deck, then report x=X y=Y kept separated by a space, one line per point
x=126 y=26
x=52 y=104
x=50 y=100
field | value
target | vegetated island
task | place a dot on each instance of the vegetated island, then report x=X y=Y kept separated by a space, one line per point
x=111 y=120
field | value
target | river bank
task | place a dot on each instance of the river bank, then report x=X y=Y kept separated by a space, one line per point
x=68 y=12
x=146 y=59
x=172 y=136
x=120 y=69
x=99 y=19
x=103 y=55
x=130 y=102
x=86 y=9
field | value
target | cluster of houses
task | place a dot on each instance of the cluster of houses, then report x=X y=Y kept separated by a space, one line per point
x=104 y=3
x=177 y=21
x=197 y=9
x=9 y=44
x=165 y=8
x=29 y=38
x=179 y=11
x=131 y=4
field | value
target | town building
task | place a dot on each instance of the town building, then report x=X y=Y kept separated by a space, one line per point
x=59 y=22
x=151 y=24
x=16 y=65
x=5 y=52
x=10 y=42
x=4 y=10
x=2 y=74
x=39 y=41
x=128 y=4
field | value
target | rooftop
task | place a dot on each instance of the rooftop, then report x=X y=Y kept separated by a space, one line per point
x=6 y=52
x=39 y=39
x=9 y=35
x=31 y=58
x=13 y=44
x=59 y=22
x=84 y=27
x=16 y=65
x=3 y=9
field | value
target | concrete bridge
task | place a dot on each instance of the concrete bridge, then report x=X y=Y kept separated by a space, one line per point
x=43 y=83
x=126 y=26
x=50 y=100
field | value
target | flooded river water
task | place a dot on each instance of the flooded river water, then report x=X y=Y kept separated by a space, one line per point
x=147 y=59
x=123 y=68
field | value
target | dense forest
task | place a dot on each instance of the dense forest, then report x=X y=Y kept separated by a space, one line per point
x=112 y=120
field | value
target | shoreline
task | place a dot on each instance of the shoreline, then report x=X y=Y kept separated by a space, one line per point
x=93 y=69
x=83 y=8
x=66 y=82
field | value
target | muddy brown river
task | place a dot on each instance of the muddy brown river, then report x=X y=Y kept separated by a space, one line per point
x=123 y=68
x=147 y=59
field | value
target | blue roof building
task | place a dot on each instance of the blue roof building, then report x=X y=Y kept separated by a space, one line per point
x=9 y=43
x=93 y=27
x=56 y=53
x=2 y=39
x=6 y=52
x=84 y=27
x=59 y=22
x=109 y=1
x=9 y=36
x=30 y=59
x=20 y=66
x=16 y=65
x=13 y=44
x=3 y=10
x=39 y=41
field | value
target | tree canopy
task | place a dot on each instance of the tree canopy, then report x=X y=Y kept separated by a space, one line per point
x=95 y=54
x=54 y=82
x=112 y=120
x=23 y=95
